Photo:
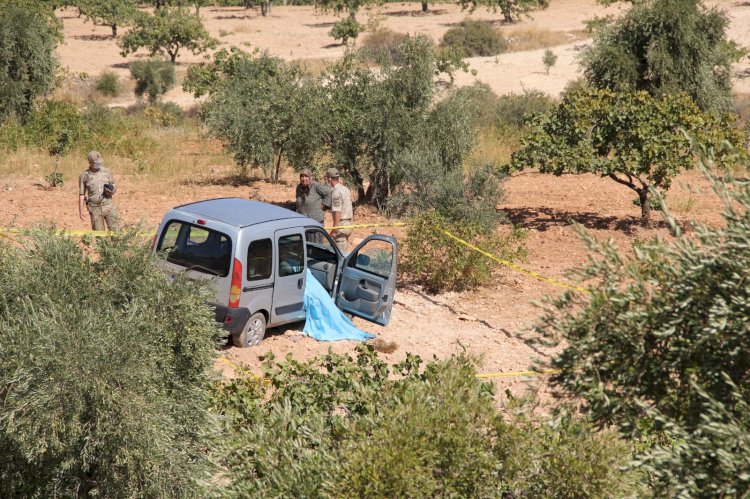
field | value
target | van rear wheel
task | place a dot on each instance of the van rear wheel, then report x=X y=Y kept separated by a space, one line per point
x=252 y=333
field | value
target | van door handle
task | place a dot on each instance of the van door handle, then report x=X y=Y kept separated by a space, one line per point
x=300 y=282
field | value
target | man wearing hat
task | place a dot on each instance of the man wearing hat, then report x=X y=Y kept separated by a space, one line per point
x=341 y=209
x=96 y=187
x=312 y=196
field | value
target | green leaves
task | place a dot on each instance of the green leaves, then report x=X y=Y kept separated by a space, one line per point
x=29 y=34
x=167 y=31
x=631 y=137
x=659 y=348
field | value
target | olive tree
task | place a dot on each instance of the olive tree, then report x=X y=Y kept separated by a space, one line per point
x=666 y=46
x=112 y=13
x=632 y=138
x=511 y=9
x=29 y=34
x=264 y=112
x=105 y=395
x=167 y=31
x=658 y=348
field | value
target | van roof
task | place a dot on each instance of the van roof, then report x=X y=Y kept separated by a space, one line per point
x=238 y=212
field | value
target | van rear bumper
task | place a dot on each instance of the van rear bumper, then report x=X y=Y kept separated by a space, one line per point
x=233 y=319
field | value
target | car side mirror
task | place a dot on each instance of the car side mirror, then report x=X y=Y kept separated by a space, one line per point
x=363 y=260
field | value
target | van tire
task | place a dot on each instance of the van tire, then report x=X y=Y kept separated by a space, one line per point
x=253 y=332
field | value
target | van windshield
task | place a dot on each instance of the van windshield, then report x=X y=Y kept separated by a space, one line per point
x=196 y=248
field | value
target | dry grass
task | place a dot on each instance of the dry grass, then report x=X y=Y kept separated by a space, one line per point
x=383 y=346
x=742 y=106
x=493 y=147
x=313 y=67
x=523 y=39
x=181 y=152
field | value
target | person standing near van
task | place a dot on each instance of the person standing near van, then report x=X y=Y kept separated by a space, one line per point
x=96 y=186
x=341 y=209
x=312 y=196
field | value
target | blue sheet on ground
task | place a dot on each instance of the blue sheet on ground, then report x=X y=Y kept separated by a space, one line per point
x=325 y=322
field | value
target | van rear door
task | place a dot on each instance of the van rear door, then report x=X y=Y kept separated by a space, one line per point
x=289 y=288
x=367 y=282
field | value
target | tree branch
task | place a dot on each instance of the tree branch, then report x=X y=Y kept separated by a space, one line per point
x=617 y=179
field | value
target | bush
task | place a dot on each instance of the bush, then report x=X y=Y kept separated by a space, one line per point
x=439 y=263
x=165 y=114
x=153 y=77
x=342 y=427
x=108 y=84
x=114 y=131
x=382 y=42
x=106 y=396
x=474 y=38
x=512 y=110
x=345 y=29
x=56 y=126
x=662 y=336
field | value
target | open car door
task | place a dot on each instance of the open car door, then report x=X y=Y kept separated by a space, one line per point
x=367 y=282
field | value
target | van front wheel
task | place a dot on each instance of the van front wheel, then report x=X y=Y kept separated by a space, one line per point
x=252 y=333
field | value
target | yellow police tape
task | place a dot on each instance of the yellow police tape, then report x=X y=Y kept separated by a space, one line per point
x=513 y=265
x=517 y=268
x=243 y=370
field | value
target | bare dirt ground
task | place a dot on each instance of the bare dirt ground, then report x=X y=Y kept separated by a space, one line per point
x=486 y=322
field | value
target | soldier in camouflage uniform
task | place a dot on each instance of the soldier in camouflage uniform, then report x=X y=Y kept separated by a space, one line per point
x=96 y=187
x=341 y=209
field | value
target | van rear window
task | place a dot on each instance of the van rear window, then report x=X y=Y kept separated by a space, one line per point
x=196 y=248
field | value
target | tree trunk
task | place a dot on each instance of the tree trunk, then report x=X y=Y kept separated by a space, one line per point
x=353 y=14
x=270 y=7
x=173 y=56
x=425 y=6
x=277 y=172
x=506 y=13
x=114 y=31
x=645 y=206
x=264 y=9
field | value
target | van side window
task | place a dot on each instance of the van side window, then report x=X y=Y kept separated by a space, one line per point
x=196 y=248
x=375 y=257
x=320 y=247
x=259 y=260
x=291 y=255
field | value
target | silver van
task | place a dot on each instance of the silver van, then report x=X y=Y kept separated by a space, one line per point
x=257 y=253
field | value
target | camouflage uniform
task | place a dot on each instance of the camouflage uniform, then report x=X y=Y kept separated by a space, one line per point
x=101 y=208
x=341 y=200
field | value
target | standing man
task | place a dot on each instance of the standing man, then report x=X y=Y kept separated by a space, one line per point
x=341 y=209
x=95 y=188
x=311 y=196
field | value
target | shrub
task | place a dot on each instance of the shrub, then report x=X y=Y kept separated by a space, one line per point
x=345 y=29
x=165 y=114
x=108 y=84
x=153 y=77
x=439 y=263
x=549 y=59
x=474 y=38
x=114 y=131
x=661 y=336
x=342 y=427
x=54 y=179
x=56 y=126
x=382 y=42
x=512 y=110
x=106 y=396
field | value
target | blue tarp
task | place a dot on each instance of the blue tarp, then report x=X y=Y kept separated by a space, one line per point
x=325 y=322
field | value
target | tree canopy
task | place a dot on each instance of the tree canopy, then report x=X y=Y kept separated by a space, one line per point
x=666 y=46
x=112 y=13
x=659 y=348
x=168 y=30
x=29 y=34
x=635 y=139
x=511 y=9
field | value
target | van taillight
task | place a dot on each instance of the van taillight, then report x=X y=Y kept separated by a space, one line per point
x=236 y=288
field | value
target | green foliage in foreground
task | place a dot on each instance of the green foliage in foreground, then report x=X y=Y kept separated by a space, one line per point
x=344 y=427
x=661 y=343
x=104 y=371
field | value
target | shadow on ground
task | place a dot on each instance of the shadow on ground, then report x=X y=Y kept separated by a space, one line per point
x=542 y=219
